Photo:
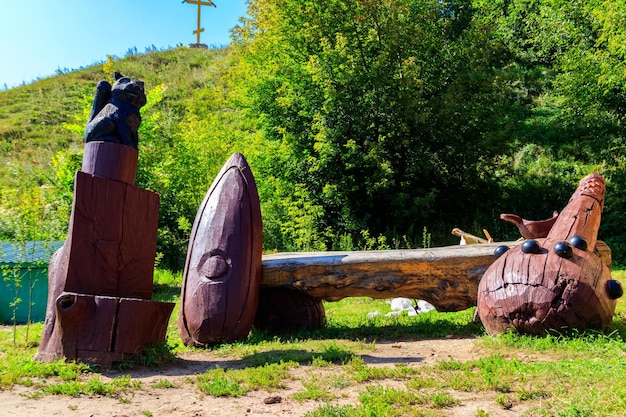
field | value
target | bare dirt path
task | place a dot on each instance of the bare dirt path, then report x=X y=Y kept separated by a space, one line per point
x=185 y=400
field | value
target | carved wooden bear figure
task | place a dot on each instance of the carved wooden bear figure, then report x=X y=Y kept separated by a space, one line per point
x=114 y=115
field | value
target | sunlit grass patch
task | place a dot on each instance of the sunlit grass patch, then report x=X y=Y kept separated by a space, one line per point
x=590 y=341
x=361 y=372
x=315 y=389
x=303 y=351
x=557 y=374
x=221 y=382
x=91 y=386
x=330 y=410
x=163 y=384
x=382 y=401
x=351 y=318
x=16 y=369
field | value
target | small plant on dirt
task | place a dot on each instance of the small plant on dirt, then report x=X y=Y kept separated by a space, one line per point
x=221 y=382
x=163 y=383
x=314 y=389
x=505 y=401
x=218 y=384
x=442 y=399
x=340 y=381
x=126 y=400
x=329 y=410
x=334 y=353
x=362 y=372
x=92 y=386
x=379 y=400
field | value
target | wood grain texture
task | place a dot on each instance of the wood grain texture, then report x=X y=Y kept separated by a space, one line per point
x=286 y=310
x=446 y=277
x=222 y=275
x=103 y=330
x=113 y=235
x=110 y=160
x=107 y=256
x=539 y=292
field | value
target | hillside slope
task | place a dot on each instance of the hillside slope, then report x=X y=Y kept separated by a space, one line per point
x=34 y=118
x=41 y=128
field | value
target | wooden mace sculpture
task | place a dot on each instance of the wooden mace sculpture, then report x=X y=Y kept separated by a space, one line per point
x=555 y=281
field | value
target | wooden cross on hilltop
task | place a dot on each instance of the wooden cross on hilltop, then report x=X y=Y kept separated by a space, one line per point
x=200 y=3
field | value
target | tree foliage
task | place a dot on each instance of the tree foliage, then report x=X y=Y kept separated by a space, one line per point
x=367 y=124
x=389 y=114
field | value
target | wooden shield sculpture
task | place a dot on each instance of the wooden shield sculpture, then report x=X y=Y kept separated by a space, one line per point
x=222 y=275
x=555 y=282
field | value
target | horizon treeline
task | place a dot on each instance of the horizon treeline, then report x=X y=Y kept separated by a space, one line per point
x=367 y=124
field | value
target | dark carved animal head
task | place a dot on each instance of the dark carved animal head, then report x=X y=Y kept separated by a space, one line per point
x=129 y=90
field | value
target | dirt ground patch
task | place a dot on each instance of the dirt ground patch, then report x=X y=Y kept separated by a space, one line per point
x=185 y=400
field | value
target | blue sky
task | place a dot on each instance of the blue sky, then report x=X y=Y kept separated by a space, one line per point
x=37 y=37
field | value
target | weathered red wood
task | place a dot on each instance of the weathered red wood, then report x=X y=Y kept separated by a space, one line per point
x=222 y=275
x=531 y=229
x=139 y=324
x=80 y=322
x=284 y=309
x=113 y=234
x=103 y=330
x=538 y=292
x=110 y=160
x=100 y=281
x=108 y=255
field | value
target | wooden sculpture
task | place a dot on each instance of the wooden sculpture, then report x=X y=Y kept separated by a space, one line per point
x=100 y=282
x=531 y=229
x=556 y=281
x=222 y=275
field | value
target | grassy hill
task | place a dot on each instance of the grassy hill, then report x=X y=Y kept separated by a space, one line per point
x=36 y=119
x=41 y=138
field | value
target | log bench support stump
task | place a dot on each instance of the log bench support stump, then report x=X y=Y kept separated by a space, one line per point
x=287 y=310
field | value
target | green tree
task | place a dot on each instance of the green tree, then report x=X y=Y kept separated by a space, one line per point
x=388 y=113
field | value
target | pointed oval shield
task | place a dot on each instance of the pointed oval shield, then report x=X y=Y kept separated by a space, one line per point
x=222 y=275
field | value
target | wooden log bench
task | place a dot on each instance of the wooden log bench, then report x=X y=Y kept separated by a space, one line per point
x=293 y=285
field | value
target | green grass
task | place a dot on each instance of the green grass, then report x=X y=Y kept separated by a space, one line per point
x=220 y=382
x=92 y=386
x=163 y=384
x=348 y=319
x=166 y=285
x=314 y=390
x=576 y=374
